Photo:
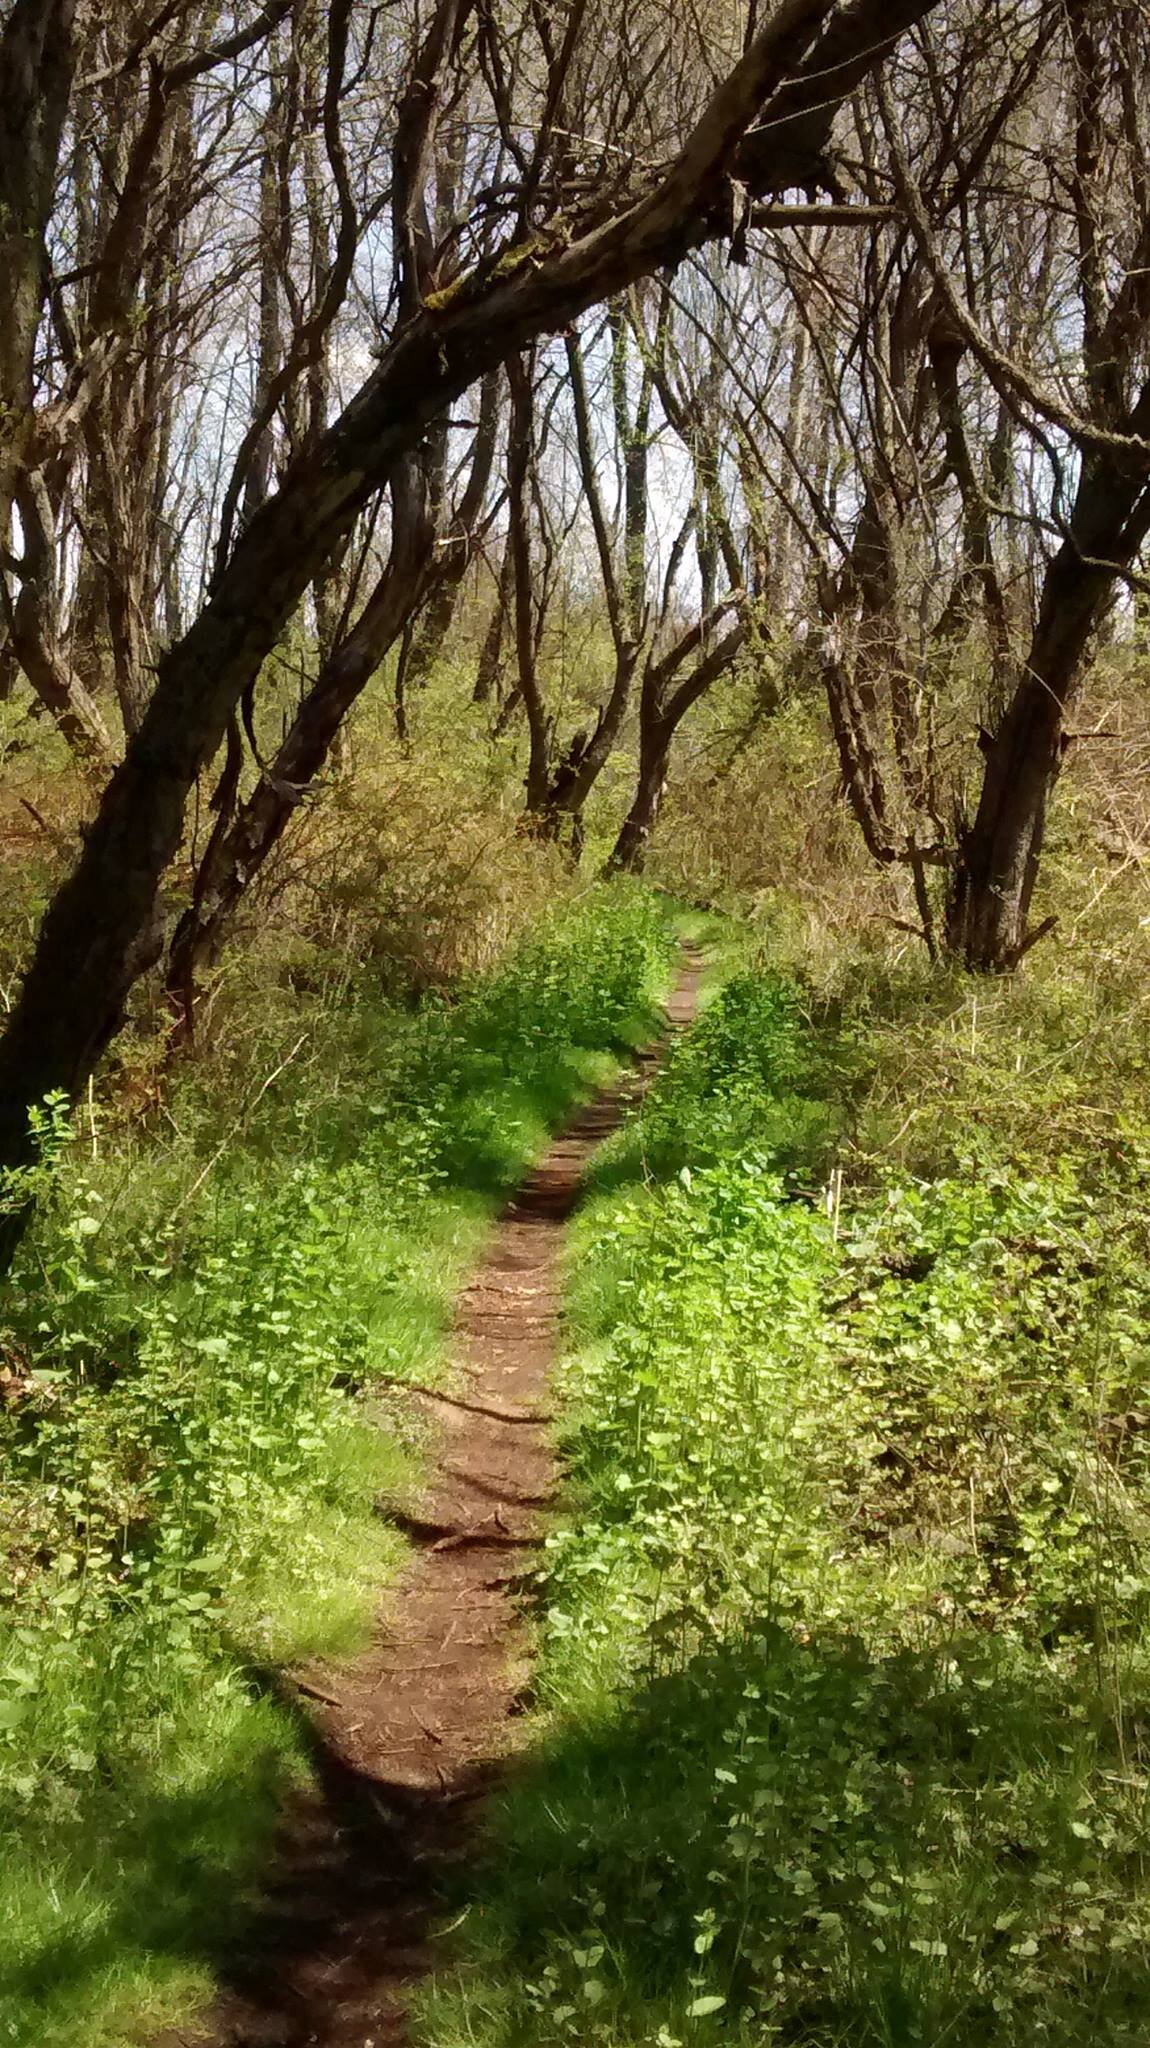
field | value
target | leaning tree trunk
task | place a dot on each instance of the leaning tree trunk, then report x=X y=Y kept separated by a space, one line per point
x=238 y=850
x=241 y=844
x=996 y=870
x=236 y=857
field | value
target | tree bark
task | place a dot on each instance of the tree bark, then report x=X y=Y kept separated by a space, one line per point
x=238 y=848
x=999 y=852
x=236 y=855
x=663 y=705
x=520 y=452
x=629 y=854
x=37 y=61
x=454 y=554
x=32 y=625
x=489 y=668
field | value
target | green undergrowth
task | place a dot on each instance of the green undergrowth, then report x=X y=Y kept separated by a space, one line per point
x=844 y=1704
x=198 y=1347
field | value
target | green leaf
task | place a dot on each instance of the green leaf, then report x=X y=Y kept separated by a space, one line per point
x=712 y=2001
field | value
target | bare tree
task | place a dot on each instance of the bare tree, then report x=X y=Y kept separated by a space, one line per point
x=666 y=697
x=39 y=47
x=981 y=358
x=458 y=316
x=1096 y=421
x=245 y=833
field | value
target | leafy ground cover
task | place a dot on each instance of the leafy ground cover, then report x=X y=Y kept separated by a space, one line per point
x=843 y=1705
x=196 y=1430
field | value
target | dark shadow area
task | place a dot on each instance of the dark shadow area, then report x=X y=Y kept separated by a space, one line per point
x=329 y=1948
x=873 y=1845
x=163 y=1843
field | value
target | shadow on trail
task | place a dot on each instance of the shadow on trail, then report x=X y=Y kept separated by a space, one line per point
x=846 y=1850
x=356 y=1884
x=343 y=1921
x=345 y=1926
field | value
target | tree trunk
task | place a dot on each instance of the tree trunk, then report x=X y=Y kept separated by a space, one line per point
x=235 y=855
x=33 y=625
x=37 y=58
x=9 y=666
x=663 y=705
x=489 y=668
x=430 y=633
x=629 y=854
x=101 y=930
x=586 y=758
x=451 y=553
x=520 y=454
x=999 y=852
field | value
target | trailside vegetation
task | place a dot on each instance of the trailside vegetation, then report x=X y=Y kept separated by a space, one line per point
x=199 y=1440
x=844 y=1688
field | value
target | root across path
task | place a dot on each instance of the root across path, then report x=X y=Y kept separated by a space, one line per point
x=409 y=1737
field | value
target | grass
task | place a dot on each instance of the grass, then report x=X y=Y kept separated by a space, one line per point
x=200 y=1344
x=844 y=1703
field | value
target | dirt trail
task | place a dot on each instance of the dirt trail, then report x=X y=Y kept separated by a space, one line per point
x=409 y=1736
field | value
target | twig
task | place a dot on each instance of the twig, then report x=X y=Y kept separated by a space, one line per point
x=449 y=1536
x=506 y=1496
x=230 y=1133
x=1040 y=931
x=60 y=840
x=516 y=1581
x=313 y=1692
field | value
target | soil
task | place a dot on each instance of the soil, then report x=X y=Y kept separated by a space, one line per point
x=409 y=1737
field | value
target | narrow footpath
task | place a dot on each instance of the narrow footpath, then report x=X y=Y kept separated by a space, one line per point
x=409 y=1737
